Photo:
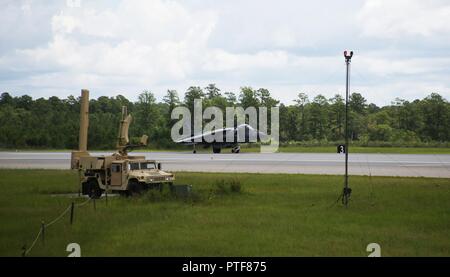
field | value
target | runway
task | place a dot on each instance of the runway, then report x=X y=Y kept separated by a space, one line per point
x=306 y=163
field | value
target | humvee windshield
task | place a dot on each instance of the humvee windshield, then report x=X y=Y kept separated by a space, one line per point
x=142 y=166
x=148 y=165
x=133 y=166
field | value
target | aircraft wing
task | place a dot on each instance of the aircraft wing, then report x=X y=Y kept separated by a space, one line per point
x=207 y=137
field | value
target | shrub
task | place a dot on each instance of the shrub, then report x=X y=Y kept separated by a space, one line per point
x=227 y=187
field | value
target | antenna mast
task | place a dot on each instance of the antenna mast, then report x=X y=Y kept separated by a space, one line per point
x=347 y=191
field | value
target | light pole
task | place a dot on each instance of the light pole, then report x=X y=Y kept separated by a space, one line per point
x=347 y=191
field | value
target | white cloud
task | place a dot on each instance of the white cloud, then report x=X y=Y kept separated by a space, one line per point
x=394 y=19
x=220 y=60
x=129 y=46
x=401 y=66
x=146 y=41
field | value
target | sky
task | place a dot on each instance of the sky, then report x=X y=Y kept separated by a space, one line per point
x=402 y=47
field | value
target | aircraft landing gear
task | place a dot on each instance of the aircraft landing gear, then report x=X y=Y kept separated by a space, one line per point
x=216 y=150
x=194 y=150
x=236 y=149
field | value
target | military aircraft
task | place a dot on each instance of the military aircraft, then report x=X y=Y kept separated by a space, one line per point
x=231 y=137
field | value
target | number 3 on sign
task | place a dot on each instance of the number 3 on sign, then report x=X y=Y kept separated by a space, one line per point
x=375 y=249
x=74 y=249
x=341 y=149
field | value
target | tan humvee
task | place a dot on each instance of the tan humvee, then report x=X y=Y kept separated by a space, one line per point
x=118 y=172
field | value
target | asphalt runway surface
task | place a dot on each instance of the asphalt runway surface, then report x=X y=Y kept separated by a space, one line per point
x=306 y=163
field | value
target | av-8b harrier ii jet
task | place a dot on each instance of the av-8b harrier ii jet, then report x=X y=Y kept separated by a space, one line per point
x=230 y=138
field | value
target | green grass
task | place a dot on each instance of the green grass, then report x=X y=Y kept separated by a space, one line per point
x=353 y=149
x=361 y=149
x=325 y=149
x=273 y=215
x=289 y=149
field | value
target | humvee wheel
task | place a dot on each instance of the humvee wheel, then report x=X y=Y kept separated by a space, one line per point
x=94 y=190
x=134 y=188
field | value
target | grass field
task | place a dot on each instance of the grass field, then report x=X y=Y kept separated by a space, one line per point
x=273 y=215
x=329 y=149
x=359 y=149
x=289 y=149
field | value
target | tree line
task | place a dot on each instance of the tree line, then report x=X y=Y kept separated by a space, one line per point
x=54 y=123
